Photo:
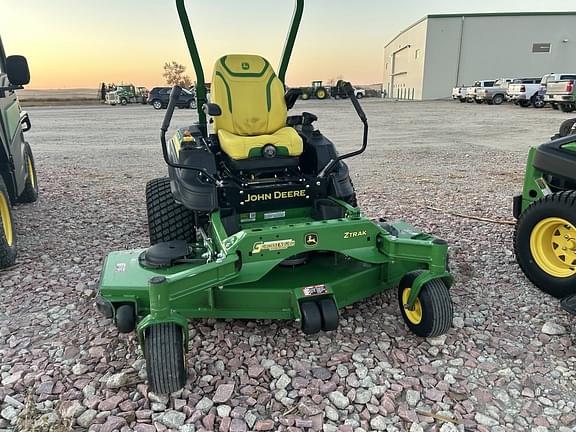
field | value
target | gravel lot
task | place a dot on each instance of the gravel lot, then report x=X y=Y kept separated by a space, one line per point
x=507 y=365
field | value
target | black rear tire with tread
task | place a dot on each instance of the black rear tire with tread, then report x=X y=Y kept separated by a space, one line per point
x=7 y=251
x=167 y=220
x=30 y=192
x=562 y=205
x=164 y=353
x=437 y=308
x=497 y=99
x=567 y=108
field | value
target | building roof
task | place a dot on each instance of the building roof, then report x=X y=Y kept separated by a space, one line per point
x=476 y=15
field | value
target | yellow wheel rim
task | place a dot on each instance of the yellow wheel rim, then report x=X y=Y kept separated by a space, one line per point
x=553 y=246
x=6 y=221
x=31 y=175
x=414 y=316
x=321 y=94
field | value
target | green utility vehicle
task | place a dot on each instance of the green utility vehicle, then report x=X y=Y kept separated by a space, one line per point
x=545 y=235
x=316 y=90
x=258 y=219
x=127 y=93
x=18 y=182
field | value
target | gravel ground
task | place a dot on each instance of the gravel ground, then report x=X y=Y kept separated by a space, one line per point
x=507 y=365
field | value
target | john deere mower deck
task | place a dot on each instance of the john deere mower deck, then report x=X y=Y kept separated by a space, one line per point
x=258 y=219
x=545 y=236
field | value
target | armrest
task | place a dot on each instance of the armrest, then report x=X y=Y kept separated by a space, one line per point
x=212 y=109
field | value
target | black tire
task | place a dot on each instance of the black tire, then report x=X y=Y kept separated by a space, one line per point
x=8 y=243
x=479 y=101
x=566 y=127
x=359 y=96
x=554 y=105
x=558 y=205
x=463 y=100
x=167 y=220
x=469 y=100
x=567 y=108
x=305 y=96
x=321 y=93
x=329 y=314
x=538 y=102
x=524 y=103
x=30 y=192
x=157 y=104
x=125 y=318
x=497 y=99
x=311 y=318
x=164 y=354
x=435 y=307
x=192 y=104
x=123 y=101
x=489 y=102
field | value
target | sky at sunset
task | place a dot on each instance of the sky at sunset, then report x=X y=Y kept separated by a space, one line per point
x=78 y=44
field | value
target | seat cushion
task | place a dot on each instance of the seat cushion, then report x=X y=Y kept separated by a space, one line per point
x=286 y=140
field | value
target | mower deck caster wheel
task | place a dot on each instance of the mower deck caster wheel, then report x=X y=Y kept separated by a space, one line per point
x=329 y=313
x=433 y=311
x=125 y=318
x=311 y=317
x=164 y=354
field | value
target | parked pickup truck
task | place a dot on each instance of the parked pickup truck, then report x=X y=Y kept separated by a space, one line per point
x=524 y=92
x=471 y=91
x=459 y=93
x=494 y=95
x=561 y=91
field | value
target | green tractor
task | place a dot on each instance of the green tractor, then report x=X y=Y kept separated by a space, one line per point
x=18 y=181
x=127 y=94
x=258 y=219
x=545 y=235
x=316 y=90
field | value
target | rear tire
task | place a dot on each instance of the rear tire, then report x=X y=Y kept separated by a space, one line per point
x=7 y=229
x=479 y=101
x=164 y=353
x=305 y=96
x=566 y=127
x=462 y=100
x=524 y=103
x=192 y=104
x=123 y=101
x=433 y=311
x=537 y=244
x=567 y=108
x=30 y=193
x=497 y=99
x=157 y=104
x=167 y=220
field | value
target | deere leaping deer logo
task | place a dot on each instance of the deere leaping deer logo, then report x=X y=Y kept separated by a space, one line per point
x=245 y=65
x=311 y=239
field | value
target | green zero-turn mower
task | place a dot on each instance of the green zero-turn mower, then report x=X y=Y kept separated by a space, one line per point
x=545 y=235
x=258 y=219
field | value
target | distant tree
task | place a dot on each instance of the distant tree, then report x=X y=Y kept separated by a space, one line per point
x=174 y=74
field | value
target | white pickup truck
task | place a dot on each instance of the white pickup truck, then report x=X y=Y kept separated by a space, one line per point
x=494 y=95
x=561 y=91
x=524 y=92
x=459 y=93
x=471 y=91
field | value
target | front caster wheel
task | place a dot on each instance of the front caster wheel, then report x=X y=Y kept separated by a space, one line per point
x=432 y=313
x=164 y=353
x=329 y=313
x=311 y=317
x=126 y=318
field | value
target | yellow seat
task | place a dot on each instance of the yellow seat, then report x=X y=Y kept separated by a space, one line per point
x=254 y=111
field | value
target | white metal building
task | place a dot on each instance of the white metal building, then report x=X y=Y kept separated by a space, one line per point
x=442 y=51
